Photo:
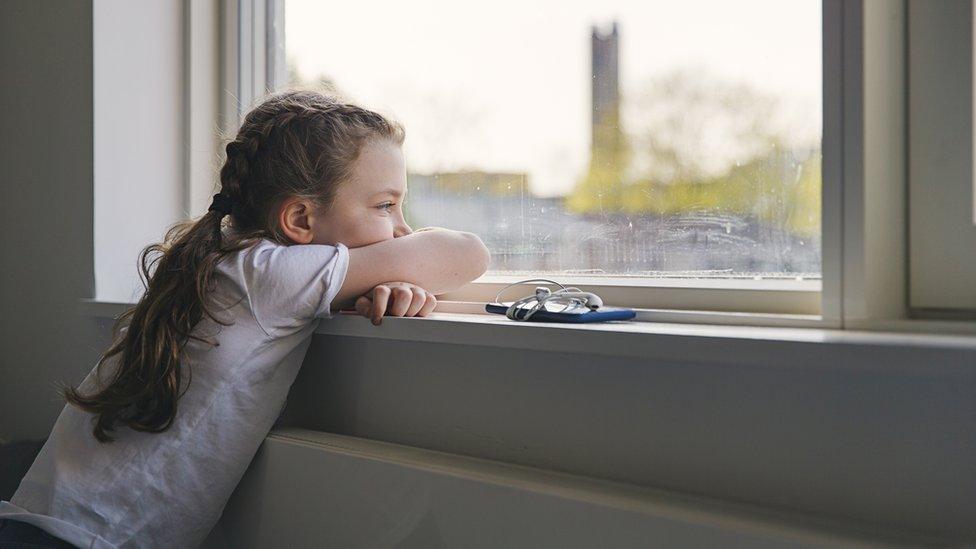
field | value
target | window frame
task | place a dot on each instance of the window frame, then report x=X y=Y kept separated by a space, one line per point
x=864 y=270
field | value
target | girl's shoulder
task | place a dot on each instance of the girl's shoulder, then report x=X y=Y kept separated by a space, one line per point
x=269 y=255
x=288 y=284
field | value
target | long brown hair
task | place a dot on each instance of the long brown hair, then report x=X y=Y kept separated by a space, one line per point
x=294 y=144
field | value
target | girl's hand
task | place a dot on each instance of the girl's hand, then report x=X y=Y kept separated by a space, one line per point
x=395 y=299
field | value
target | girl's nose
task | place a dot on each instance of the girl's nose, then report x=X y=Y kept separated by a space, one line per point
x=402 y=229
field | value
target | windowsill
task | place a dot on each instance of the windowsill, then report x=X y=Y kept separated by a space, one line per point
x=623 y=339
x=685 y=334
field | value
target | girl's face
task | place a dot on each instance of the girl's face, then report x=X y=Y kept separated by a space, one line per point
x=369 y=207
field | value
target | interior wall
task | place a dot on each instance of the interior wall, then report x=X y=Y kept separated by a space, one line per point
x=76 y=81
x=46 y=199
x=360 y=493
x=881 y=434
x=940 y=109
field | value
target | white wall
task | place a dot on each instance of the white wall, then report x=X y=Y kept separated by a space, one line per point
x=139 y=132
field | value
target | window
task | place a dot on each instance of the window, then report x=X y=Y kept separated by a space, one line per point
x=667 y=155
x=617 y=139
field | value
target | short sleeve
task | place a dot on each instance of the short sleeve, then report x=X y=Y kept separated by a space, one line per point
x=289 y=286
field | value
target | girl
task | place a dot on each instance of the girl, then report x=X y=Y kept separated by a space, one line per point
x=313 y=190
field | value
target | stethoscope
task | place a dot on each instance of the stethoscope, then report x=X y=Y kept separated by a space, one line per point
x=570 y=297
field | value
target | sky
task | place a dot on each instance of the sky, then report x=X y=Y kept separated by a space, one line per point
x=505 y=85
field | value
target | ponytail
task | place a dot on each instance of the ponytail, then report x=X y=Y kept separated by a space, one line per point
x=178 y=276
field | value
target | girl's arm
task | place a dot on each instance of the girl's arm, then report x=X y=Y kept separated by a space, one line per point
x=437 y=260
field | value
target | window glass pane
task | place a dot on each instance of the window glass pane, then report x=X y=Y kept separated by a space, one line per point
x=619 y=137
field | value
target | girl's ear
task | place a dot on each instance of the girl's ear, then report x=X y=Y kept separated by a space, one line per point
x=293 y=218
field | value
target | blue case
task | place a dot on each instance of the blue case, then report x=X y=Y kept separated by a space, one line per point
x=603 y=314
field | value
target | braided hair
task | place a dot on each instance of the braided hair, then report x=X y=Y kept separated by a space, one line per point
x=293 y=144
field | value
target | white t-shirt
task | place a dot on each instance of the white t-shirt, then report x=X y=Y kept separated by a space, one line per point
x=168 y=489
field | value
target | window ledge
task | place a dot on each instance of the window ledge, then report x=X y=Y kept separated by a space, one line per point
x=657 y=334
x=685 y=342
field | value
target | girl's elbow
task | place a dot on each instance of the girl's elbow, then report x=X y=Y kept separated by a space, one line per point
x=479 y=255
x=484 y=256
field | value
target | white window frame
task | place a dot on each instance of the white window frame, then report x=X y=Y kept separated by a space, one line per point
x=864 y=273
x=231 y=60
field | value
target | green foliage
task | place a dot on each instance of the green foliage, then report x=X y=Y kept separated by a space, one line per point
x=773 y=189
x=601 y=189
x=680 y=112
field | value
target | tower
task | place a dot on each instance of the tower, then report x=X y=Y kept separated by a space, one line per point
x=605 y=102
x=601 y=188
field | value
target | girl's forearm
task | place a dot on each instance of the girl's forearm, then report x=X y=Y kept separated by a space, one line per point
x=438 y=260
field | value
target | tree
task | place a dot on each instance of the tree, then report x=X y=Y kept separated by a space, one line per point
x=602 y=188
x=701 y=144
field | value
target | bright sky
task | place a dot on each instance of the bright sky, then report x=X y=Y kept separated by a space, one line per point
x=504 y=85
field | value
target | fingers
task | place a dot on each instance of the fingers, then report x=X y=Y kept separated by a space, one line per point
x=402 y=299
x=395 y=300
x=381 y=297
x=429 y=305
x=418 y=299
x=363 y=306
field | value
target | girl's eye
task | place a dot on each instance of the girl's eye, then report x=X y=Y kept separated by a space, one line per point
x=387 y=206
